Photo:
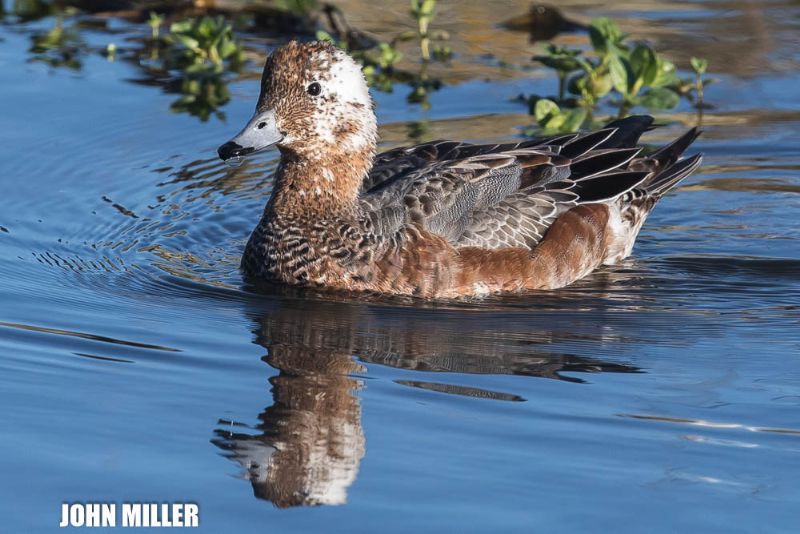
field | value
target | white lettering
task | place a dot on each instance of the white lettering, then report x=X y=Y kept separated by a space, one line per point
x=177 y=515
x=92 y=515
x=77 y=515
x=64 y=515
x=192 y=511
x=131 y=515
x=109 y=516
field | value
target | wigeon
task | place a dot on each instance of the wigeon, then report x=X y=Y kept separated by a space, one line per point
x=443 y=219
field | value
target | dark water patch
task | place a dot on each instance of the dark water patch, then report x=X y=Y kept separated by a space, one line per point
x=84 y=335
x=453 y=389
x=753 y=271
x=102 y=358
x=120 y=208
x=774 y=185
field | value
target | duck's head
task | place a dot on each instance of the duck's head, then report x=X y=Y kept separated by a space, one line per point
x=314 y=101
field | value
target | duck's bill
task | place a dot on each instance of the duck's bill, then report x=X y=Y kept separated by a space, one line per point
x=260 y=133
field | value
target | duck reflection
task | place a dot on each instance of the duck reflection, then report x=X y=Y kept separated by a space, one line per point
x=306 y=448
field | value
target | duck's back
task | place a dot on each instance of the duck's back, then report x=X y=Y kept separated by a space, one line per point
x=506 y=195
x=536 y=214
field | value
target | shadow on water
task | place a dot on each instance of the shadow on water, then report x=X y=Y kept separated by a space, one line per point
x=307 y=445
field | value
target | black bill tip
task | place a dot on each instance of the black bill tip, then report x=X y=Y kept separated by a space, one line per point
x=231 y=150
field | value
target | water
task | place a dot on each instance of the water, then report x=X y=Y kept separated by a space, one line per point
x=657 y=396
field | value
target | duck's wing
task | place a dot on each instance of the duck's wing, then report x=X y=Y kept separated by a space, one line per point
x=398 y=163
x=440 y=197
x=522 y=218
x=477 y=193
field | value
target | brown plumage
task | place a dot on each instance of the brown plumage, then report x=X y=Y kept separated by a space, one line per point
x=443 y=219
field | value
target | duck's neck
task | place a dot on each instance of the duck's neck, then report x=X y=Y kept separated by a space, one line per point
x=314 y=184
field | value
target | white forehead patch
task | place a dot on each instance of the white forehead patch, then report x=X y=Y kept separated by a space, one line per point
x=349 y=104
x=346 y=80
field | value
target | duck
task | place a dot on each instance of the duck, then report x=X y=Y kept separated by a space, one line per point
x=442 y=219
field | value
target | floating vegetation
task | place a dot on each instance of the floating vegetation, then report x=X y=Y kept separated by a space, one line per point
x=422 y=11
x=60 y=46
x=187 y=52
x=620 y=72
x=198 y=54
x=205 y=42
x=196 y=58
x=695 y=89
x=155 y=21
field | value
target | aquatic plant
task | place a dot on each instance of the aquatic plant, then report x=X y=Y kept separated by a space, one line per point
x=422 y=11
x=378 y=68
x=633 y=74
x=694 y=89
x=201 y=51
x=201 y=94
x=204 y=41
x=155 y=21
x=194 y=59
x=552 y=119
x=61 y=46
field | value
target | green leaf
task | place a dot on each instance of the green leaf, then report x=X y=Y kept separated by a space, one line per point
x=597 y=38
x=621 y=76
x=604 y=34
x=322 y=35
x=189 y=42
x=699 y=65
x=600 y=85
x=422 y=8
x=578 y=84
x=560 y=58
x=660 y=98
x=388 y=55
x=182 y=26
x=554 y=123
x=545 y=108
x=667 y=74
x=644 y=64
x=585 y=64
x=564 y=64
x=574 y=120
x=227 y=49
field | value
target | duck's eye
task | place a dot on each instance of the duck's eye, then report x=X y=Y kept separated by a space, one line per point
x=314 y=89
